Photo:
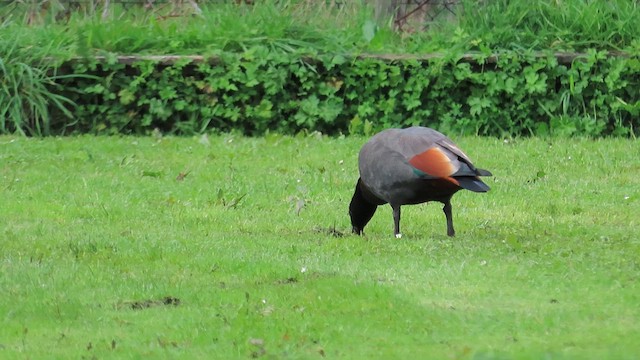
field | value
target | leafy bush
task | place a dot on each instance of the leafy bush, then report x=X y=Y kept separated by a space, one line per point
x=262 y=90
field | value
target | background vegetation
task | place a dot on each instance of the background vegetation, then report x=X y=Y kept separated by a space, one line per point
x=288 y=66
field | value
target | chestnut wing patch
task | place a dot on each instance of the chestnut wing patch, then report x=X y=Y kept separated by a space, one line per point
x=434 y=162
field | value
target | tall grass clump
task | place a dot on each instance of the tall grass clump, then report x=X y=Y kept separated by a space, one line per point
x=28 y=85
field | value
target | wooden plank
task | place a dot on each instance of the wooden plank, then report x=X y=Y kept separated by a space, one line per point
x=562 y=57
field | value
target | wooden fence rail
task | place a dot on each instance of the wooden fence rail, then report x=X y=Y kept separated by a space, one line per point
x=562 y=57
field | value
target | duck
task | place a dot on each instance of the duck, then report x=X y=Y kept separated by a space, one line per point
x=411 y=166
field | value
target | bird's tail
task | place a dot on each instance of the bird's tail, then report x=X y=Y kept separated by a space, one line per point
x=472 y=183
x=483 y=172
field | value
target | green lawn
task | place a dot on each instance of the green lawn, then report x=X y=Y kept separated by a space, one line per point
x=108 y=252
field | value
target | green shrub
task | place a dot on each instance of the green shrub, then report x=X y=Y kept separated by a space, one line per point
x=262 y=90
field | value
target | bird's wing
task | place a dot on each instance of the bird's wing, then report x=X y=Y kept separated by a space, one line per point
x=435 y=162
x=443 y=158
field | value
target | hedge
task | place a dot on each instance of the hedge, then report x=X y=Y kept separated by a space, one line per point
x=260 y=90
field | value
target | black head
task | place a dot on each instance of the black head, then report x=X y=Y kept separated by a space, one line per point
x=360 y=210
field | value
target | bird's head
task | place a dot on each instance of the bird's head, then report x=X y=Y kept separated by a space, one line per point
x=360 y=210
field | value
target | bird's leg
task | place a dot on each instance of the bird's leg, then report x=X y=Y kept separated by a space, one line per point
x=396 y=220
x=447 y=212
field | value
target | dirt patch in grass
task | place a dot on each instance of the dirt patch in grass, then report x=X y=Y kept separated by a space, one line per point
x=145 y=304
x=329 y=231
x=289 y=280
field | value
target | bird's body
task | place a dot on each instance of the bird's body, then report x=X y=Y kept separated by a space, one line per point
x=411 y=166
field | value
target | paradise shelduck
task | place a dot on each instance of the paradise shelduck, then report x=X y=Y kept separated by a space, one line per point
x=411 y=166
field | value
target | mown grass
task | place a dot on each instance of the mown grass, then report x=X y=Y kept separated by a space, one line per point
x=97 y=232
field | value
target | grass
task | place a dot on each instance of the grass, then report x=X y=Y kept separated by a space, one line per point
x=109 y=252
x=566 y=25
x=322 y=26
x=283 y=26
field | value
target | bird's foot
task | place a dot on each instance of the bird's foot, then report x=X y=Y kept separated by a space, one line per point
x=398 y=236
